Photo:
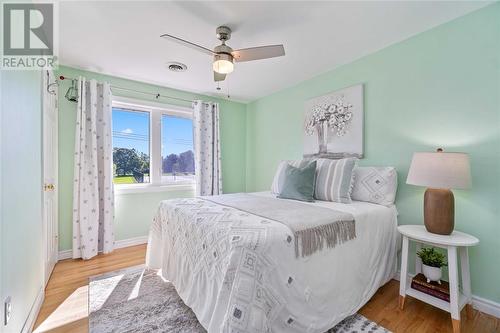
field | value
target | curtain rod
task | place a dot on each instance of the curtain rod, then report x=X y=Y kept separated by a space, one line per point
x=136 y=91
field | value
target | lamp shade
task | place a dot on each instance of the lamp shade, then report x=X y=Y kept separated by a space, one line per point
x=223 y=63
x=440 y=170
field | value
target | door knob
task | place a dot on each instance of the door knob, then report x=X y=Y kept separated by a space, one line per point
x=49 y=187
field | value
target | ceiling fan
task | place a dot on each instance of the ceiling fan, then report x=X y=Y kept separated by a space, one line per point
x=224 y=56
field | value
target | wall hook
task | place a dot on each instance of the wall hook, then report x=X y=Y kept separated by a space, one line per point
x=52 y=85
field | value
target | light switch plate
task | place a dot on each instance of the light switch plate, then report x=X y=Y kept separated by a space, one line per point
x=7 y=310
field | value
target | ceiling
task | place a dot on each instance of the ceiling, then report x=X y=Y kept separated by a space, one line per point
x=121 y=38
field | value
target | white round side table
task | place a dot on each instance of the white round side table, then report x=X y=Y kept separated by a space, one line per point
x=456 y=244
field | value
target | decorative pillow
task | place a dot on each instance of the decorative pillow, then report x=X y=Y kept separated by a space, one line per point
x=375 y=184
x=299 y=183
x=279 y=176
x=334 y=179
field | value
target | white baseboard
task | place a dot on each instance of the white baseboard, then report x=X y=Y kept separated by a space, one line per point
x=131 y=242
x=65 y=254
x=486 y=306
x=68 y=254
x=35 y=309
x=480 y=304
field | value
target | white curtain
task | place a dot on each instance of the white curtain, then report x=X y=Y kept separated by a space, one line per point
x=207 y=148
x=93 y=197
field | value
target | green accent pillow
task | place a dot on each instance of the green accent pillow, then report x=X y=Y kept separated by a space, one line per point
x=299 y=183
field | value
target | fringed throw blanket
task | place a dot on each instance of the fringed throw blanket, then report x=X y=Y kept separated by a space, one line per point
x=313 y=227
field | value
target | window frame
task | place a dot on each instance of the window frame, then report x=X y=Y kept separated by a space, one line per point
x=156 y=111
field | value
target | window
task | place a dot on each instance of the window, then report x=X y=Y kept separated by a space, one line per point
x=177 y=149
x=130 y=146
x=152 y=145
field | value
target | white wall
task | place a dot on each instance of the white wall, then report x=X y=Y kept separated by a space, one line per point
x=21 y=266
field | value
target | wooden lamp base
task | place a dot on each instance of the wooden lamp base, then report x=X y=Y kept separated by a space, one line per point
x=439 y=211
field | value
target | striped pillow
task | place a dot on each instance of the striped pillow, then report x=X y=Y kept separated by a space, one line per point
x=279 y=176
x=334 y=179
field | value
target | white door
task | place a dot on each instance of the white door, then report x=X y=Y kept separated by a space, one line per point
x=50 y=186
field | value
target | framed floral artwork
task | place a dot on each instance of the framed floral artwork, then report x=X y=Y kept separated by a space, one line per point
x=333 y=124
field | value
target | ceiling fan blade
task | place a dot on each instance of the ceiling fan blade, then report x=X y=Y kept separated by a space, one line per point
x=219 y=77
x=260 y=52
x=189 y=44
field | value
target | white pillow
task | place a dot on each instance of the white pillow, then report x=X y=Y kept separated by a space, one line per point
x=375 y=184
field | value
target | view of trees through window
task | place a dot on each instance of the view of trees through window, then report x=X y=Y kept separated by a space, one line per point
x=131 y=148
x=177 y=149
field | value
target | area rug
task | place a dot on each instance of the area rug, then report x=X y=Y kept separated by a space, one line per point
x=138 y=300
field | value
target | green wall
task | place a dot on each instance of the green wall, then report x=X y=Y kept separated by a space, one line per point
x=21 y=262
x=134 y=212
x=440 y=88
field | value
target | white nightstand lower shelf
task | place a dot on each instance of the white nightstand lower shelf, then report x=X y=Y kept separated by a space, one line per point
x=434 y=301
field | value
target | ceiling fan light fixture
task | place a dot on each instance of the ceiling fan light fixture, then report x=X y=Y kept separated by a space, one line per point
x=224 y=56
x=223 y=63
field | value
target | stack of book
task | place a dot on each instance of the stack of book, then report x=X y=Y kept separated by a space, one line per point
x=441 y=291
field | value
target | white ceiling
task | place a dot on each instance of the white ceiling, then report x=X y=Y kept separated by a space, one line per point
x=122 y=38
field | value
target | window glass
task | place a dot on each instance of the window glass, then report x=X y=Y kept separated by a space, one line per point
x=177 y=150
x=131 y=150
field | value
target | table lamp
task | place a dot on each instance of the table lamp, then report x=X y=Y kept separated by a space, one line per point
x=439 y=172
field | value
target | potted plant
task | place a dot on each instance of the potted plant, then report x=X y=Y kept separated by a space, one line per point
x=432 y=262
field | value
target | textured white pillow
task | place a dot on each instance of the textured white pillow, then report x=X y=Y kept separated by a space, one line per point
x=375 y=184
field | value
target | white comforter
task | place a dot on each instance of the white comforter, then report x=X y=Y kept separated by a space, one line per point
x=238 y=272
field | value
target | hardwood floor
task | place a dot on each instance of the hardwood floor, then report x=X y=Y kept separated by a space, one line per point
x=65 y=308
x=420 y=317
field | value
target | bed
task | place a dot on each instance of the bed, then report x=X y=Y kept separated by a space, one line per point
x=239 y=272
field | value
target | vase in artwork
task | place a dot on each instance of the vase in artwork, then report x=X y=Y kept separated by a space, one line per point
x=322 y=131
